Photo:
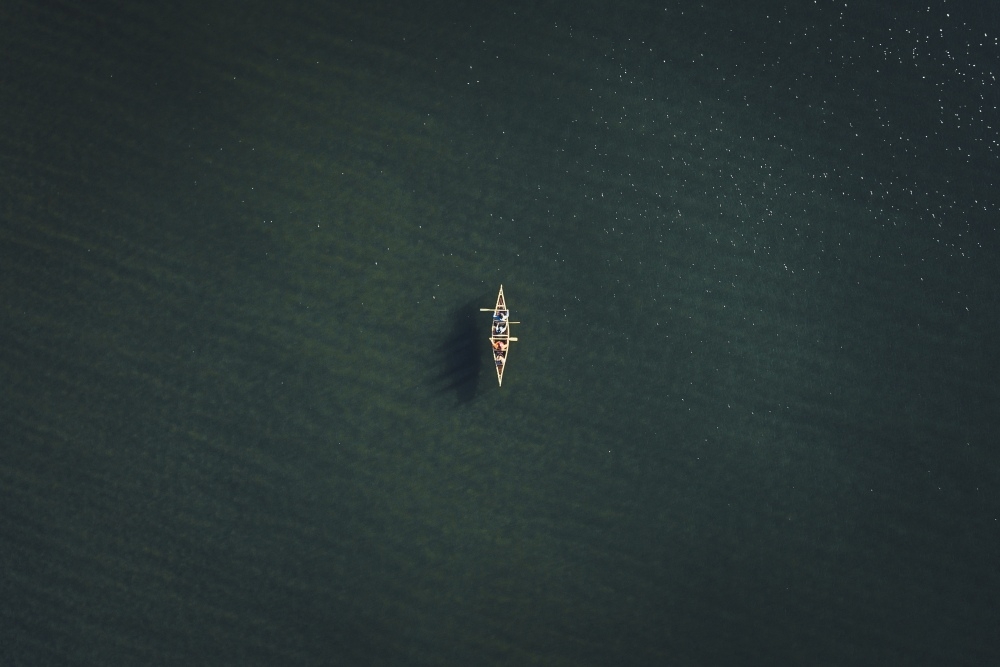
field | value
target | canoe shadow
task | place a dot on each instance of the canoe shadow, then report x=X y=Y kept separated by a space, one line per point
x=460 y=357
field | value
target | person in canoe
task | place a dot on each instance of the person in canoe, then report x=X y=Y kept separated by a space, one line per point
x=499 y=327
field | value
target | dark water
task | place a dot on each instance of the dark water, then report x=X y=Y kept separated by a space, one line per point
x=248 y=414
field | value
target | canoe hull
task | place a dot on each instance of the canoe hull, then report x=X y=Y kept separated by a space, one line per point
x=500 y=337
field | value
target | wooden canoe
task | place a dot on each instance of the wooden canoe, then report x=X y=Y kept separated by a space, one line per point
x=500 y=338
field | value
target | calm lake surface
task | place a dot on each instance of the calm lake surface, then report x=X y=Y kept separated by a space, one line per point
x=248 y=410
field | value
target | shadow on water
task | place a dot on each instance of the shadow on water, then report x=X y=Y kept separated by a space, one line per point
x=460 y=356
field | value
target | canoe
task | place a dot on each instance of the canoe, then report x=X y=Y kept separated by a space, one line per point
x=500 y=338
